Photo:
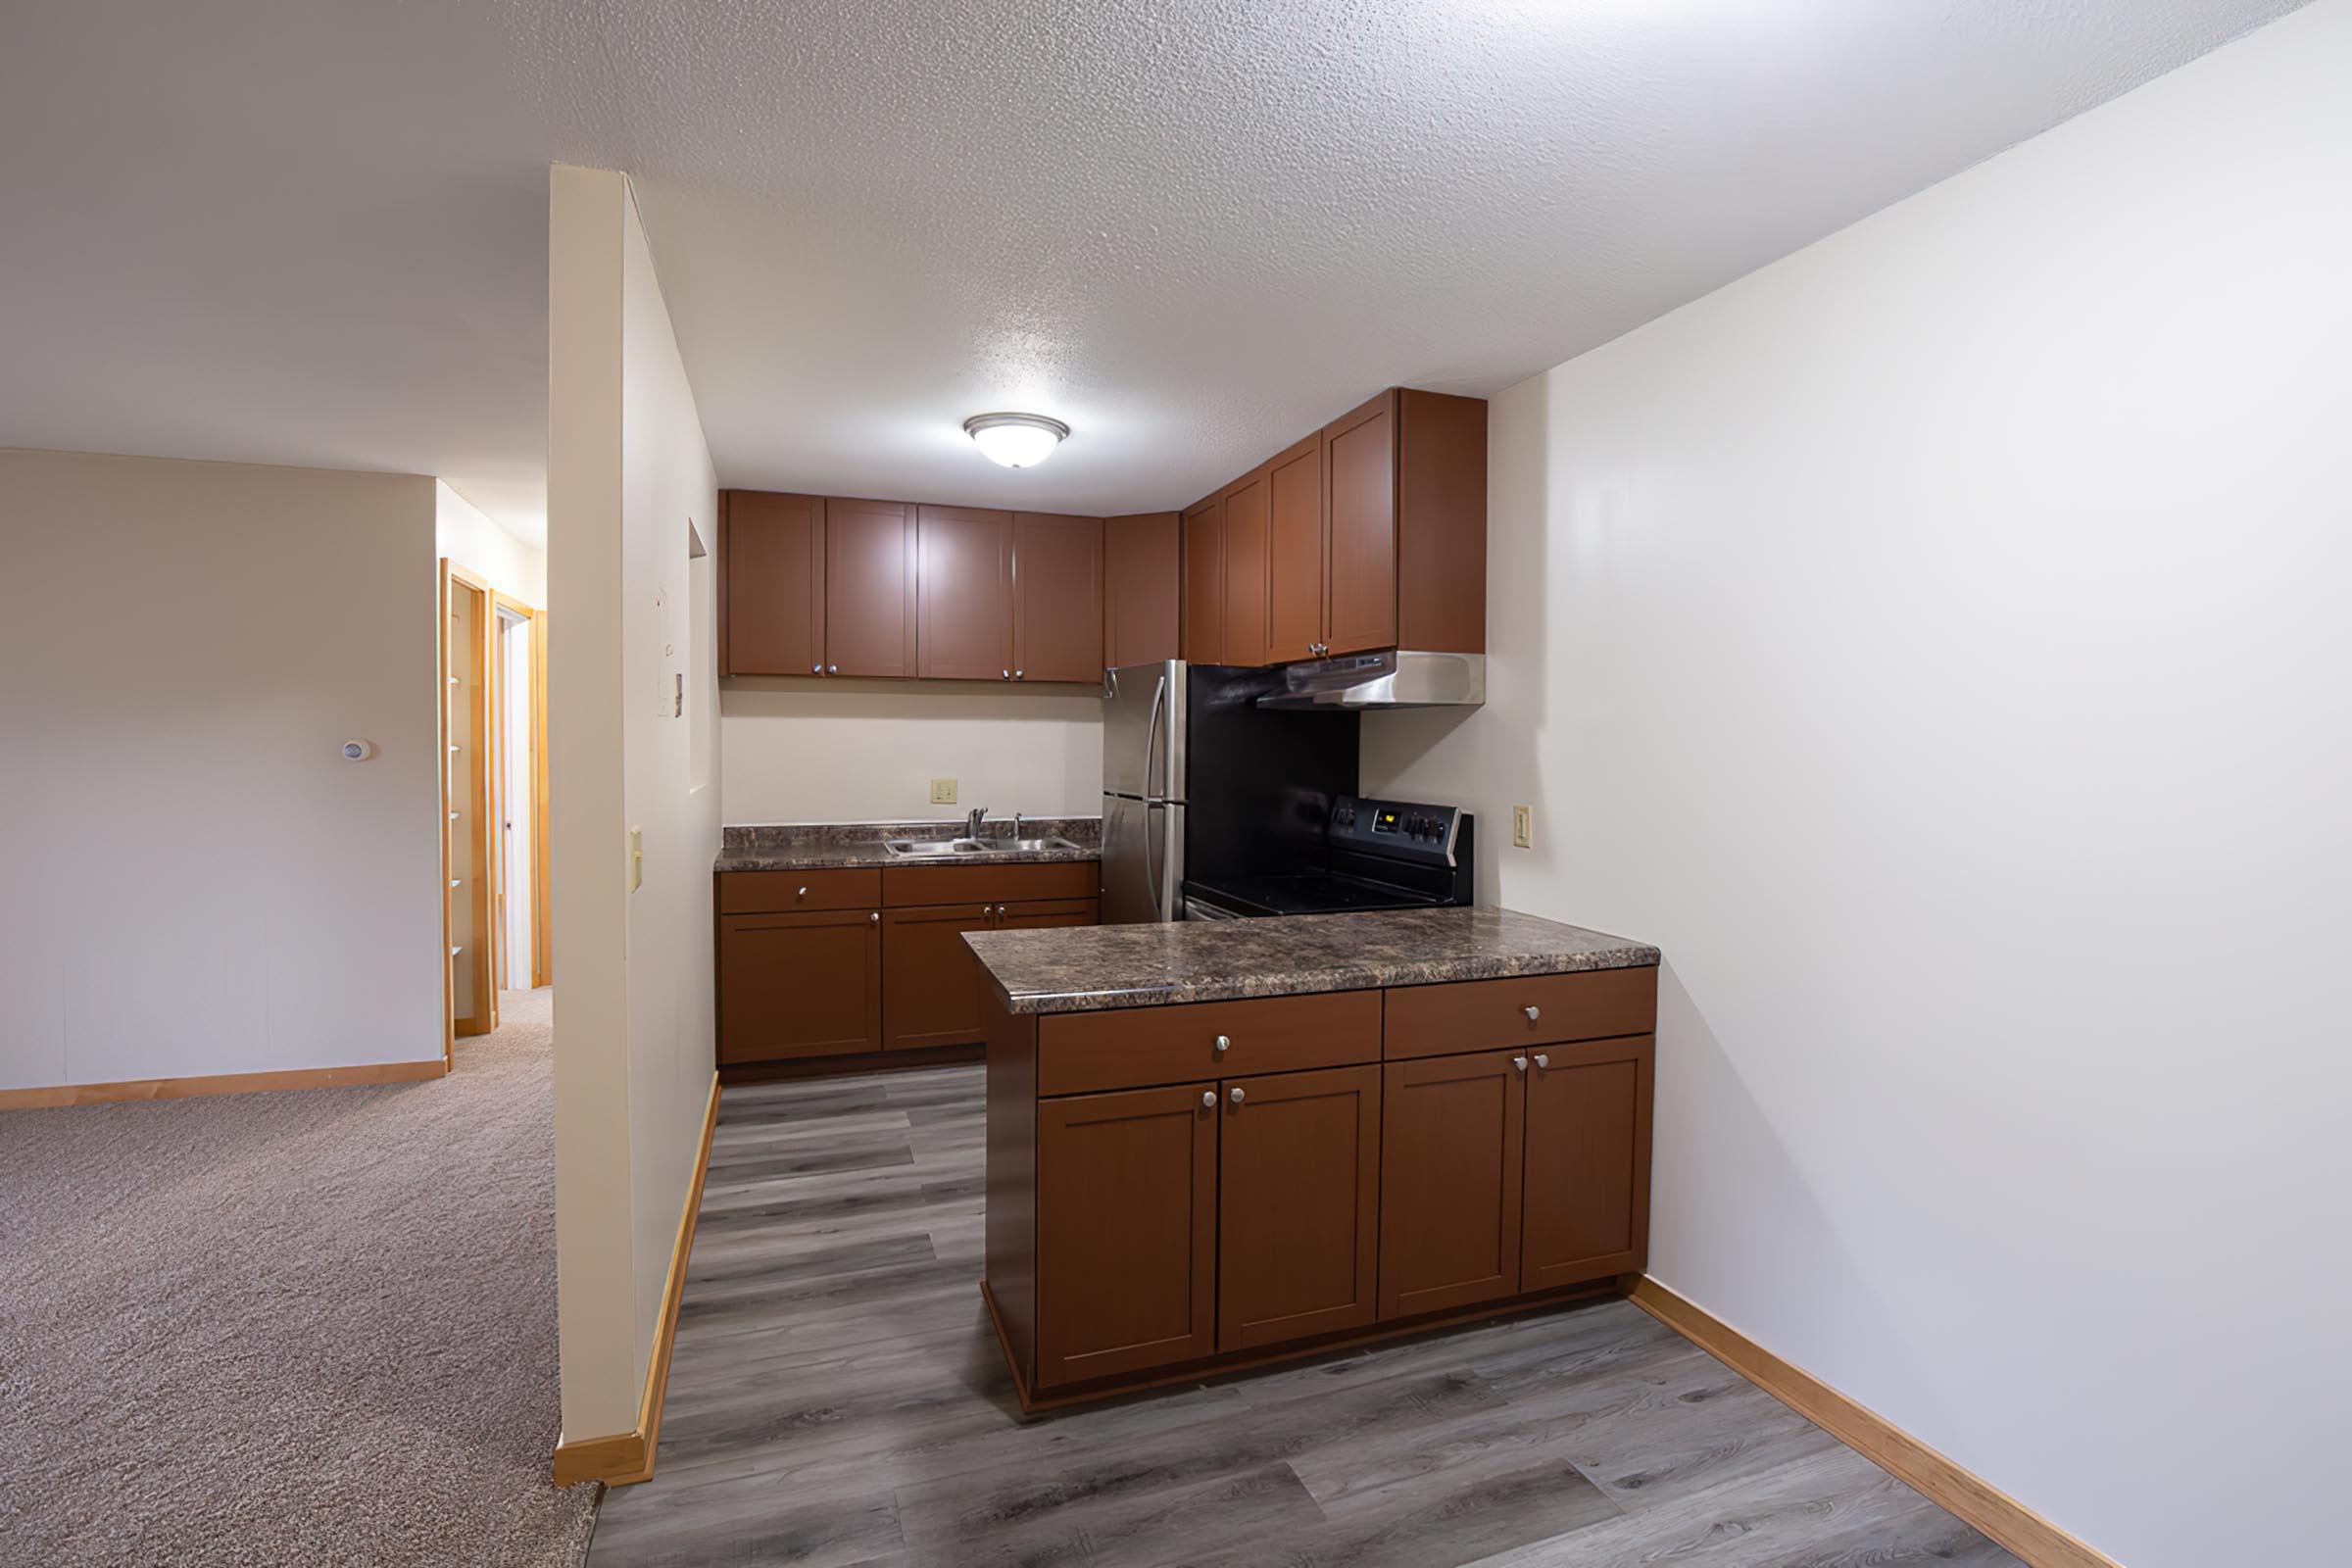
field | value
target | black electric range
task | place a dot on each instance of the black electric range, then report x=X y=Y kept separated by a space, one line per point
x=1374 y=854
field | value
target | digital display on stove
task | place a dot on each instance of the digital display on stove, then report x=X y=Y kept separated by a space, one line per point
x=1385 y=820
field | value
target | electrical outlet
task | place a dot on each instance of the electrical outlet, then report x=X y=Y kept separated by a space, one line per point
x=1523 y=827
x=943 y=792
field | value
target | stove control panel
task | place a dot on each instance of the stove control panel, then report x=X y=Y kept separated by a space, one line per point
x=1403 y=830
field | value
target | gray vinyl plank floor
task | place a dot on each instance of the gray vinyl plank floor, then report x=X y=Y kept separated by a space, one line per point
x=836 y=1398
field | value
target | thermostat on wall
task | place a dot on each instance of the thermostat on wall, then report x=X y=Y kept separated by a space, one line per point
x=357 y=751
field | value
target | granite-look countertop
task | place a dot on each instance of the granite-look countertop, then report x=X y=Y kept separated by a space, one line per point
x=1085 y=968
x=818 y=846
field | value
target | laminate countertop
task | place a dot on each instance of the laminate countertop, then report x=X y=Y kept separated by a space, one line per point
x=1089 y=969
x=822 y=846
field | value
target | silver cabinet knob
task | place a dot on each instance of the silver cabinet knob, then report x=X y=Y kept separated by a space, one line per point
x=816 y=669
x=1234 y=1094
x=1533 y=1014
x=832 y=669
x=803 y=892
x=1006 y=674
x=1224 y=1044
x=1020 y=675
x=1519 y=1062
x=1543 y=1061
x=1208 y=1099
x=875 y=917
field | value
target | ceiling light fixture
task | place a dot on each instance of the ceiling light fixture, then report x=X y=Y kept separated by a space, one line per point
x=1016 y=440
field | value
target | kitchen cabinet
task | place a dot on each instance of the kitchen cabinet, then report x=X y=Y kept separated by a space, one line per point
x=776 y=587
x=1203 y=638
x=1295 y=552
x=869 y=588
x=1247 y=512
x=1057 y=596
x=1142 y=572
x=799 y=985
x=1298 y=1204
x=1126 y=1231
x=930 y=984
x=965 y=587
x=1452 y=1139
x=1361 y=580
x=1587 y=1161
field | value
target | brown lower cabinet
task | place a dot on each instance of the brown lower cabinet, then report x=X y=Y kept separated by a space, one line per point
x=799 y=985
x=1166 y=1222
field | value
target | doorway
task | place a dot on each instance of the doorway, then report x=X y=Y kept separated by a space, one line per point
x=519 y=765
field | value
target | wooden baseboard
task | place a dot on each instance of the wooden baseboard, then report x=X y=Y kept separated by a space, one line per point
x=1958 y=1491
x=627 y=1457
x=223 y=1083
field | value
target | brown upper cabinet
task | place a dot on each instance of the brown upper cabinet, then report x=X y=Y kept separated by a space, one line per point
x=869 y=588
x=965 y=586
x=1142 y=569
x=775 y=563
x=1057 y=596
x=1361 y=574
x=1204 y=641
x=1295 y=552
x=1245 y=521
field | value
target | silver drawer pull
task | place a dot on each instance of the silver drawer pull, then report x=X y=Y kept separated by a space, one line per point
x=1543 y=1061
x=875 y=917
x=1208 y=1098
x=1519 y=1062
x=1236 y=1094
x=1533 y=1014
x=1224 y=1044
x=803 y=892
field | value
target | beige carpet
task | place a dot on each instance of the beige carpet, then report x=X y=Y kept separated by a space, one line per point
x=309 y=1327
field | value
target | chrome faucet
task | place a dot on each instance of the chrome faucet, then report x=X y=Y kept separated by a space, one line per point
x=972 y=821
x=1018 y=830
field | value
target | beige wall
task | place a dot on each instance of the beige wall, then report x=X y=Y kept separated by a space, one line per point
x=464 y=535
x=198 y=882
x=1938 y=643
x=629 y=482
x=848 y=750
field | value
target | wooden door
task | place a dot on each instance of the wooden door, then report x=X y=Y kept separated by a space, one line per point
x=966 y=593
x=1295 y=552
x=869 y=588
x=1246 y=516
x=776 y=593
x=799 y=985
x=1451 y=1136
x=1361 y=465
x=1298 y=1205
x=1587 y=1162
x=1126 y=1231
x=1057 y=596
x=1142 y=572
x=930 y=980
x=1203 y=638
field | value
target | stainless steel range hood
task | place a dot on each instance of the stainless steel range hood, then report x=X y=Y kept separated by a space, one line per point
x=1397 y=678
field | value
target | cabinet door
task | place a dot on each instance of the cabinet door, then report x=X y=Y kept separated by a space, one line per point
x=1142 y=570
x=1057 y=596
x=1294 y=552
x=930 y=980
x=799 y=985
x=1126 y=1231
x=1205 y=583
x=1362 y=554
x=966 y=593
x=1452 y=1133
x=1245 y=514
x=1587 y=1162
x=1298 y=1205
x=775 y=562
x=869 y=588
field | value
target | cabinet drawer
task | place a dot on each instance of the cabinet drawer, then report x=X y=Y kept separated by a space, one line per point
x=990 y=884
x=1534 y=1010
x=1081 y=1053
x=784 y=892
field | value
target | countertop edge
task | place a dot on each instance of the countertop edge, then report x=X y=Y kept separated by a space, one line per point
x=1345 y=977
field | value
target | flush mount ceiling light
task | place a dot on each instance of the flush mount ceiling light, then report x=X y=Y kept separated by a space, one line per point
x=1016 y=440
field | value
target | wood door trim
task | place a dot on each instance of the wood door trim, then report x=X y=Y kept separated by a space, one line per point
x=1945 y=1482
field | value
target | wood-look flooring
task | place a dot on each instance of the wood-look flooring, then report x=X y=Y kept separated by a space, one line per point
x=837 y=1398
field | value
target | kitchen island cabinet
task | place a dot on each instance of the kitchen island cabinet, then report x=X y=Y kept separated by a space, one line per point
x=1216 y=1144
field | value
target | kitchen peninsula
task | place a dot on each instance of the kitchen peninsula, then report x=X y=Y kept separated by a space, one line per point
x=1212 y=1144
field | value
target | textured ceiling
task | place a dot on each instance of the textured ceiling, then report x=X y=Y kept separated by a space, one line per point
x=313 y=232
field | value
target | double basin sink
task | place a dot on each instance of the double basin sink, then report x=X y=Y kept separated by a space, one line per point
x=951 y=848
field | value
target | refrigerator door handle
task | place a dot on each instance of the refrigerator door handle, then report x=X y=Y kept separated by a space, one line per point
x=1151 y=842
x=1159 y=695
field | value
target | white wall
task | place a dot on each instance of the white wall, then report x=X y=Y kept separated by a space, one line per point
x=1937 y=642
x=467 y=536
x=197 y=882
x=628 y=474
x=866 y=751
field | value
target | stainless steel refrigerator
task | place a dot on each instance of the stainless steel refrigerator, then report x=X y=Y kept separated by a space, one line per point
x=1144 y=773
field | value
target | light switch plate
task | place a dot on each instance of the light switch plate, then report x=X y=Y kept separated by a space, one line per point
x=636 y=859
x=1523 y=827
x=943 y=792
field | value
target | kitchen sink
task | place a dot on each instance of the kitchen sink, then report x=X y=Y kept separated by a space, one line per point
x=1034 y=844
x=949 y=848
